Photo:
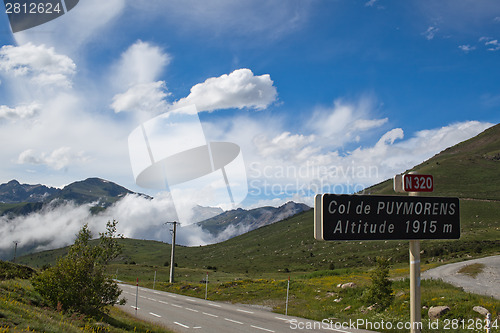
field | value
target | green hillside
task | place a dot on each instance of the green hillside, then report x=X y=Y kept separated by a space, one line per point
x=290 y=246
x=470 y=169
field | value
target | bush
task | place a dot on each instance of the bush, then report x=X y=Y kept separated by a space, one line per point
x=380 y=290
x=78 y=281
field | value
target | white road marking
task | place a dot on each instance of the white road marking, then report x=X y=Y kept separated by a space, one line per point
x=196 y=327
x=151 y=299
x=191 y=300
x=185 y=326
x=282 y=319
x=154 y=314
x=261 y=328
x=193 y=310
x=162 y=302
x=216 y=305
x=157 y=293
x=234 y=321
x=177 y=306
x=244 y=311
x=171 y=296
x=209 y=314
x=133 y=307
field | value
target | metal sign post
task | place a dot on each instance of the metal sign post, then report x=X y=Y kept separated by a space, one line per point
x=287 y=292
x=206 y=286
x=136 y=295
x=415 y=302
x=377 y=217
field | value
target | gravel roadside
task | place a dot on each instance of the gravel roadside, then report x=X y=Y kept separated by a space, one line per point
x=486 y=283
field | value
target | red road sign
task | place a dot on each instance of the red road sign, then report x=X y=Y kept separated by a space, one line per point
x=418 y=183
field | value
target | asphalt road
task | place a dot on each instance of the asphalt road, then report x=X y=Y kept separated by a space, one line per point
x=188 y=314
x=485 y=283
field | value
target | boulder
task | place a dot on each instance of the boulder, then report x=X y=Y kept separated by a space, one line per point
x=482 y=311
x=435 y=312
x=348 y=285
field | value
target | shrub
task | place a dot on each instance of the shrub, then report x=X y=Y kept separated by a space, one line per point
x=380 y=291
x=78 y=281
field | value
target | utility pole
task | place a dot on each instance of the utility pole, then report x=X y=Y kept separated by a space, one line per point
x=172 y=256
x=15 y=250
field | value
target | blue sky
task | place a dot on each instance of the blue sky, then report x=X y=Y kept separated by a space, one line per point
x=321 y=95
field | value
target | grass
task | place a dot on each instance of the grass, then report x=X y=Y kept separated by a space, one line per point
x=472 y=270
x=22 y=310
x=466 y=170
x=288 y=247
x=318 y=296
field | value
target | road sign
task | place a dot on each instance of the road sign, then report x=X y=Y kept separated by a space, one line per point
x=370 y=217
x=418 y=183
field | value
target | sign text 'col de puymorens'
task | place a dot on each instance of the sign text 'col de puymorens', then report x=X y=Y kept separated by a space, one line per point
x=363 y=217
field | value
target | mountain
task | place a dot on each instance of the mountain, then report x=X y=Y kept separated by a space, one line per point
x=23 y=199
x=14 y=192
x=239 y=221
x=92 y=190
x=469 y=169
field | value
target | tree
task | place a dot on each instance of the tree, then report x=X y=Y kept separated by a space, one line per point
x=380 y=291
x=78 y=281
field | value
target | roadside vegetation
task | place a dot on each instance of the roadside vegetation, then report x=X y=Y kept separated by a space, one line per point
x=473 y=270
x=74 y=295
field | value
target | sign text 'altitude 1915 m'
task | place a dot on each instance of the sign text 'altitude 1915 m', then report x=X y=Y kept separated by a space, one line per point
x=367 y=217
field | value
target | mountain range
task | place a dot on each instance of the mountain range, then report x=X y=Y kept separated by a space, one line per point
x=468 y=170
x=239 y=221
x=23 y=199
x=17 y=200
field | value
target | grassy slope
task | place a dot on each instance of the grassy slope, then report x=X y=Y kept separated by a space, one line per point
x=469 y=169
x=289 y=245
x=267 y=254
x=22 y=309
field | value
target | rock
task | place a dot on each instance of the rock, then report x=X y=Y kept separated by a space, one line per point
x=481 y=310
x=372 y=307
x=435 y=312
x=339 y=285
x=337 y=300
x=347 y=308
x=425 y=307
x=330 y=294
x=348 y=285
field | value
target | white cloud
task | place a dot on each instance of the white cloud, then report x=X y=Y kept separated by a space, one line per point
x=57 y=159
x=430 y=33
x=138 y=217
x=285 y=144
x=370 y=3
x=493 y=45
x=19 y=112
x=240 y=89
x=144 y=97
x=141 y=63
x=466 y=48
x=41 y=64
x=283 y=164
x=345 y=121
